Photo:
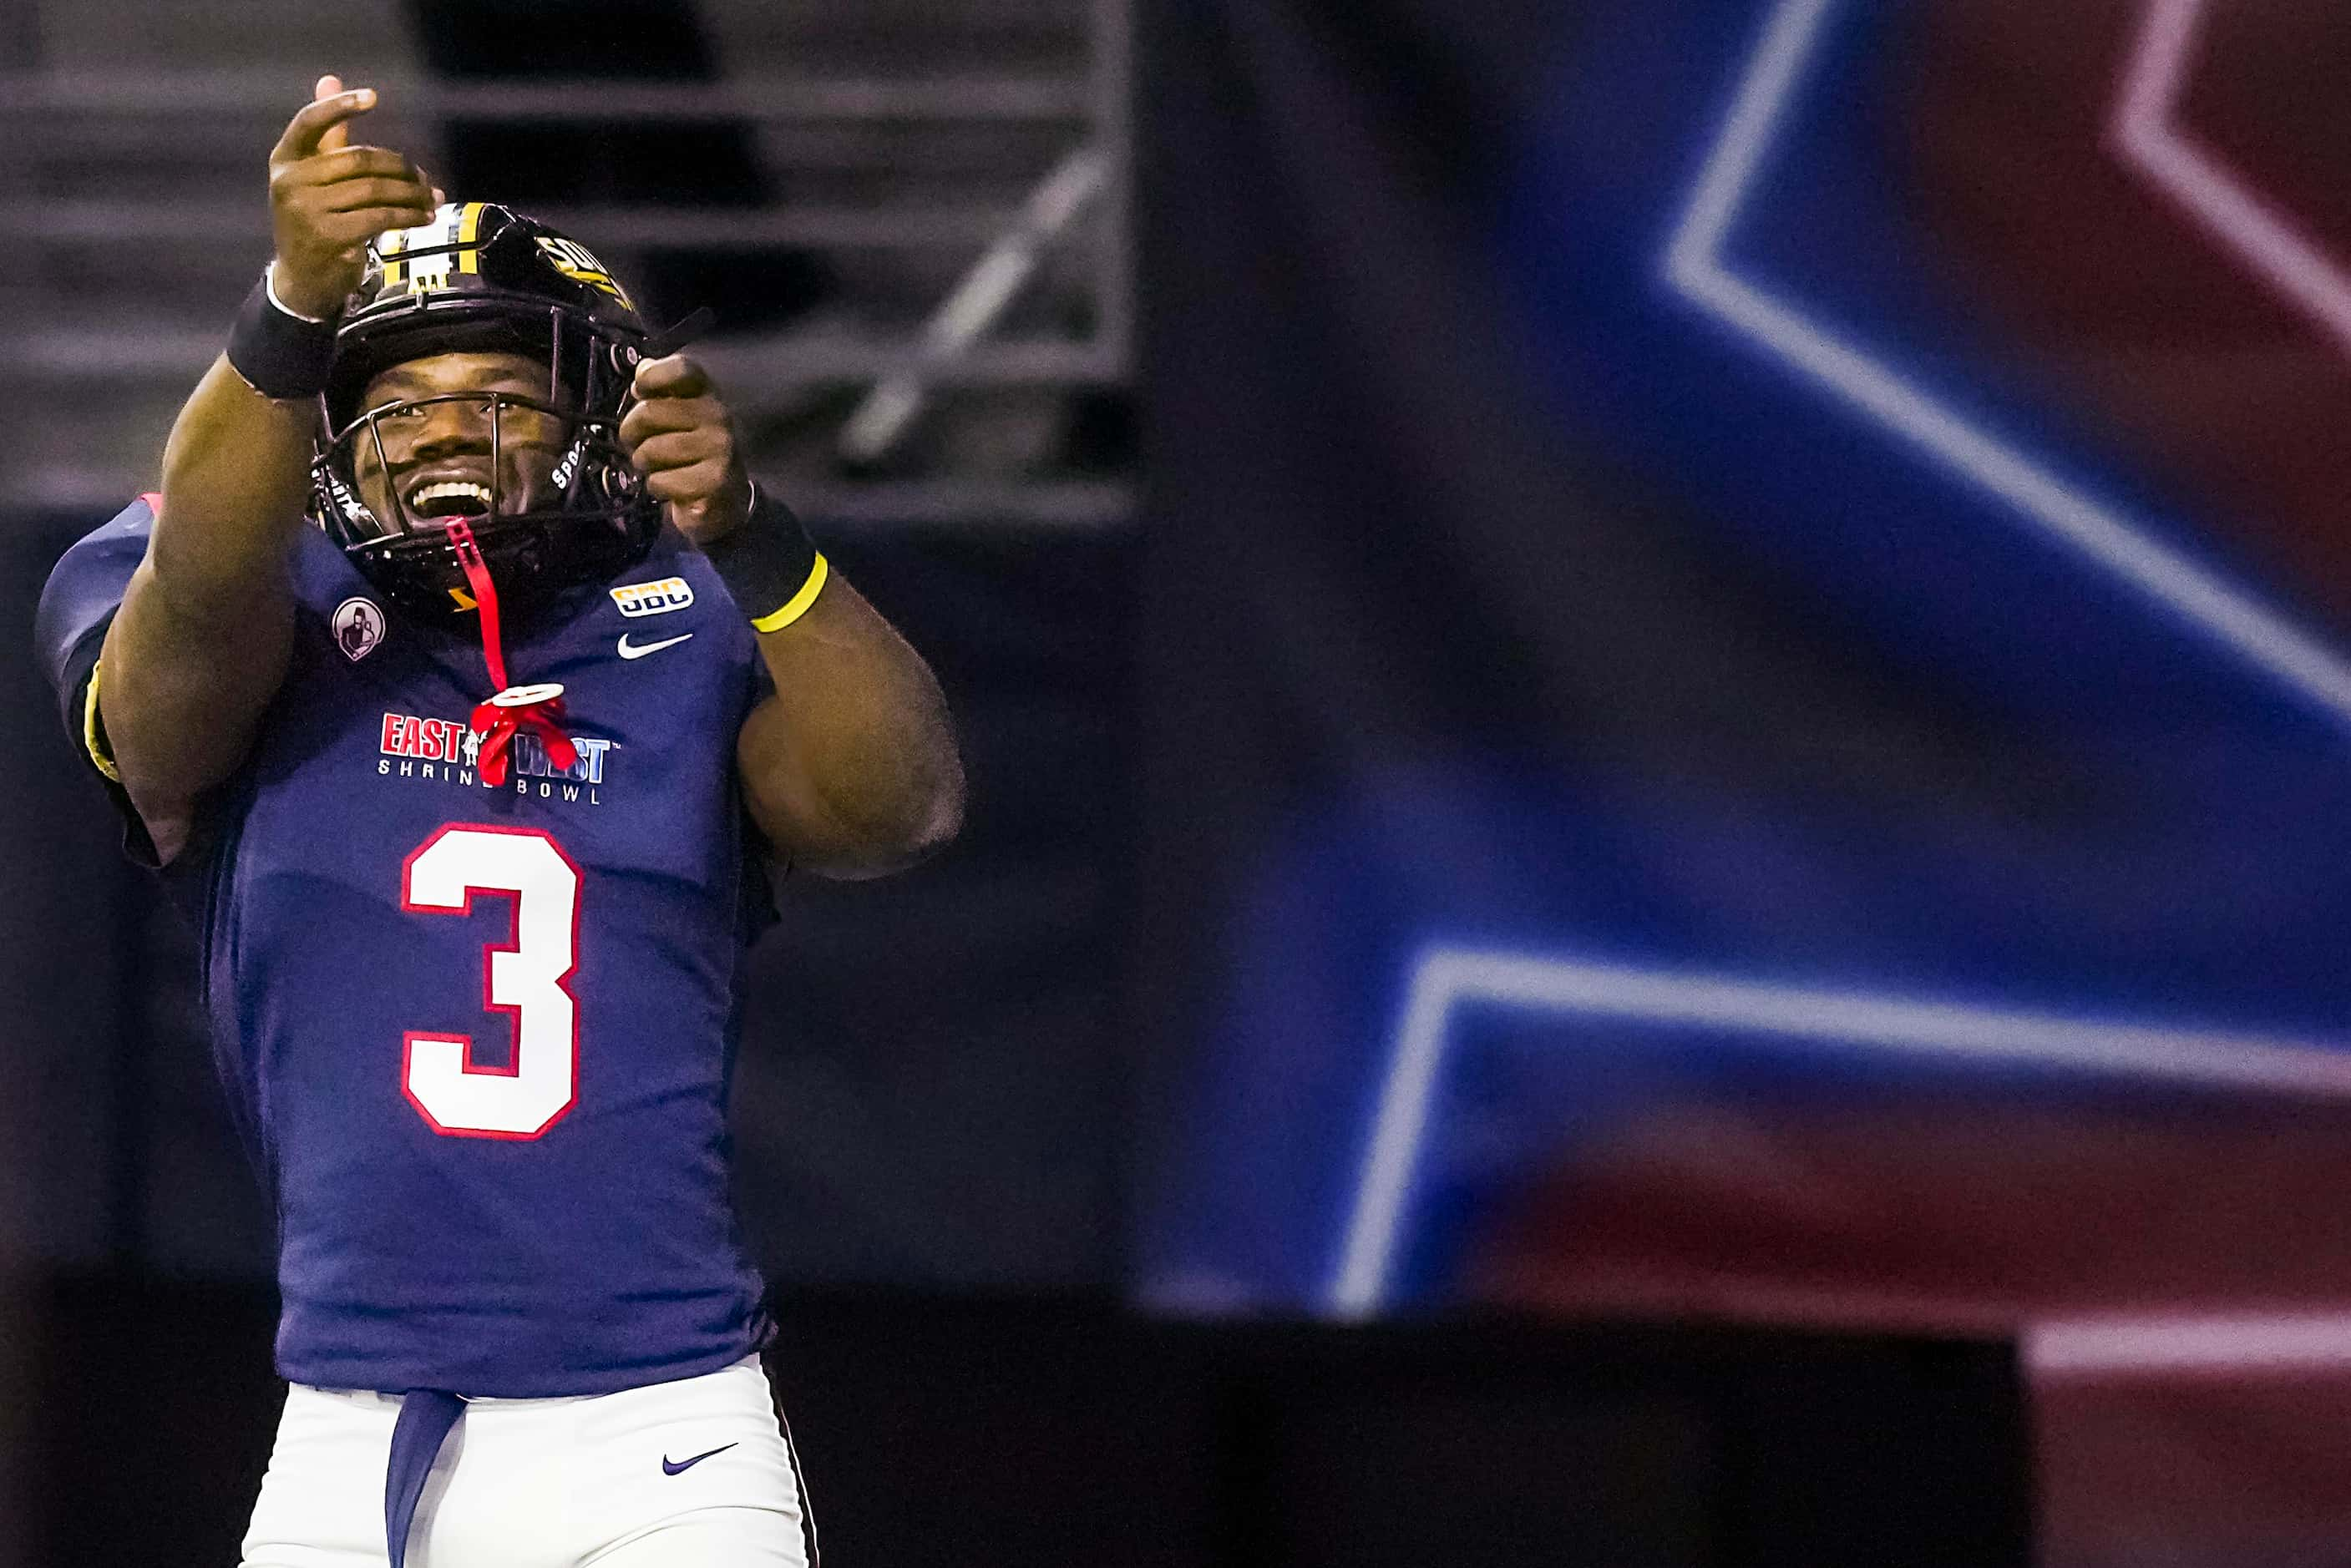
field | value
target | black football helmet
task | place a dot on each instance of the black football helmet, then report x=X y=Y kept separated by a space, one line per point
x=481 y=277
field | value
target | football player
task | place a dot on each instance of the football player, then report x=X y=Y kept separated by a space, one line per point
x=462 y=685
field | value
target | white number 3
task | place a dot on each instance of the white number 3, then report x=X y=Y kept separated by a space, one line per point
x=458 y=1098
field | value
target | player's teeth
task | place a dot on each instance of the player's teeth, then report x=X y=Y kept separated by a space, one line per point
x=448 y=487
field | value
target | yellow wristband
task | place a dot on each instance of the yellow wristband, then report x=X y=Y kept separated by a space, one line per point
x=797 y=605
x=93 y=734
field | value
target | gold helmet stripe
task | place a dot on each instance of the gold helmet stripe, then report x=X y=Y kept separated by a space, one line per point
x=469 y=220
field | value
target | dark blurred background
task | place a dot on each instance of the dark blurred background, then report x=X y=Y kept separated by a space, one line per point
x=1658 y=712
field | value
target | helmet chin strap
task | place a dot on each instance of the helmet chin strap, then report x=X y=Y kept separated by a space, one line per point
x=515 y=708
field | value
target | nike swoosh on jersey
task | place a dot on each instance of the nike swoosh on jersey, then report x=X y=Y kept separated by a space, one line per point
x=638 y=651
x=679 y=1466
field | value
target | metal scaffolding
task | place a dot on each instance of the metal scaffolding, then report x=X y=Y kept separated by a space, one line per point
x=968 y=209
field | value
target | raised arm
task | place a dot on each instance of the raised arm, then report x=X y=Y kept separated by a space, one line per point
x=850 y=768
x=200 y=645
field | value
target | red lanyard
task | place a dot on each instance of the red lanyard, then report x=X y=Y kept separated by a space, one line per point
x=515 y=708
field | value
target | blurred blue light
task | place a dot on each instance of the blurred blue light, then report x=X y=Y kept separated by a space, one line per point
x=1446 y=978
x=1693 y=268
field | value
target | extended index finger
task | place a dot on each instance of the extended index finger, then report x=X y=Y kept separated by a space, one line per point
x=306 y=133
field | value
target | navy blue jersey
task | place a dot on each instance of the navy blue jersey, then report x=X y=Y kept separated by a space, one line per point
x=478 y=1038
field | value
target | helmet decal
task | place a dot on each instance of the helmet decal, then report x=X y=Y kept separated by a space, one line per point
x=574 y=260
x=420 y=260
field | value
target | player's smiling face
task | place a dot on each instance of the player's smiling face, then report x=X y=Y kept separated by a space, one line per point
x=439 y=447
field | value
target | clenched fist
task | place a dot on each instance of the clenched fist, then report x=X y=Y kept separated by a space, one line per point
x=681 y=439
x=328 y=199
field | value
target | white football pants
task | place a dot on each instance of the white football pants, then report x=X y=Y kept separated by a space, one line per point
x=692 y=1474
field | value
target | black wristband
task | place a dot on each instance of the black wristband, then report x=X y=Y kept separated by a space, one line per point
x=280 y=354
x=770 y=564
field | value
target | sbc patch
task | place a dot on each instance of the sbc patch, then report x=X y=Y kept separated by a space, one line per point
x=358 y=626
x=653 y=598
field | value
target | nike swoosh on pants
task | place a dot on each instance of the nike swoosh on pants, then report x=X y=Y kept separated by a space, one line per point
x=678 y=1467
